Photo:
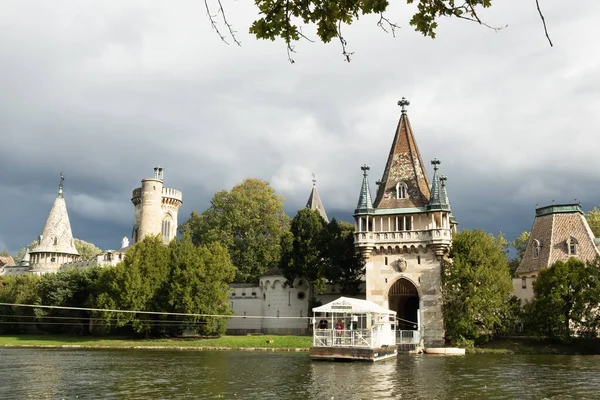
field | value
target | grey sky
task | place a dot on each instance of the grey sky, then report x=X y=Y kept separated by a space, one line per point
x=104 y=91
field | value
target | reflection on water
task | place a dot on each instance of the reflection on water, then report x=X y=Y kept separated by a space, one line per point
x=149 y=374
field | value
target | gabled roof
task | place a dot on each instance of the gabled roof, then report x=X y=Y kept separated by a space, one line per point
x=554 y=226
x=57 y=236
x=7 y=261
x=404 y=165
x=314 y=202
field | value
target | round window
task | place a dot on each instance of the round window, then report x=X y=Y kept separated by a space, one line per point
x=301 y=295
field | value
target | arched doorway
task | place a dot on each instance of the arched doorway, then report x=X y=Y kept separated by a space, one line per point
x=403 y=298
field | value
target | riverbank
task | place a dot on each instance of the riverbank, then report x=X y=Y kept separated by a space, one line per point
x=259 y=342
x=538 y=346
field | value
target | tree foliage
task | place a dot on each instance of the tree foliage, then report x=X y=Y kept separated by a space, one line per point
x=181 y=278
x=593 y=220
x=520 y=245
x=321 y=253
x=477 y=288
x=566 y=299
x=249 y=221
x=85 y=249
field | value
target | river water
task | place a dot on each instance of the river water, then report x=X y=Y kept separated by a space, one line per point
x=168 y=374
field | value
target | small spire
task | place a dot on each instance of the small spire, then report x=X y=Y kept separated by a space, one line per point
x=435 y=162
x=404 y=103
x=60 y=185
x=314 y=179
x=364 y=199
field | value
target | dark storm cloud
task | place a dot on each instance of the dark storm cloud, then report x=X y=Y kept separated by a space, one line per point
x=106 y=92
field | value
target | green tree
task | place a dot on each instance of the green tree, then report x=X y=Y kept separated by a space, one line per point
x=566 y=297
x=86 y=250
x=344 y=263
x=302 y=251
x=4 y=254
x=477 y=288
x=198 y=284
x=249 y=221
x=520 y=245
x=593 y=220
x=135 y=284
x=21 y=252
x=19 y=290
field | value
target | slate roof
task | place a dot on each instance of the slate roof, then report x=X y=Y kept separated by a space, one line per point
x=314 y=202
x=554 y=226
x=365 y=203
x=404 y=164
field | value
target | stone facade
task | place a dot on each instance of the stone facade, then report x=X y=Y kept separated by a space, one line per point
x=404 y=235
x=156 y=209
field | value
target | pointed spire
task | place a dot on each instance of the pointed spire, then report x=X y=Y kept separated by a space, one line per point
x=437 y=200
x=446 y=200
x=314 y=201
x=364 y=199
x=60 y=185
x=405 y=168
x=57 y=236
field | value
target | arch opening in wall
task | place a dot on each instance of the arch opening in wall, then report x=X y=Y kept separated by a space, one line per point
x=403 y=297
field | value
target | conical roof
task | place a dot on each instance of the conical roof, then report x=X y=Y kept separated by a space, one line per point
x=57 y=236
x=439 y=197
x=364 y=198
x=404 y=167
x=314 y=201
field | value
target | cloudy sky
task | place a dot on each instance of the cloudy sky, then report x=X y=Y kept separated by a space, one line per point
x=104 y=91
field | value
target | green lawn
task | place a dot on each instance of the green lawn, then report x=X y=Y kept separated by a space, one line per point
x=538 y=346
x=233 y=342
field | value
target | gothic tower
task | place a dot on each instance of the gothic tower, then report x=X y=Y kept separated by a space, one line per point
x=156 y=209
x=405 y=234
x=314 y=201
x=55 y=245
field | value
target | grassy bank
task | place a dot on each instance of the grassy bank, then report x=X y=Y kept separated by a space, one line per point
x=538 y=346
x=274 y=342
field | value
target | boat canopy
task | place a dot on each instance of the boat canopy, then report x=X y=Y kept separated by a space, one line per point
x=347 y=305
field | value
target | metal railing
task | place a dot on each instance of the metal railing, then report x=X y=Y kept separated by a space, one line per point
x=408 y=337
x=343 y=338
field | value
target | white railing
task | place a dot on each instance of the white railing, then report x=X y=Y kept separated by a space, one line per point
x=343 y=338
x=408 y=337
x=403 y=236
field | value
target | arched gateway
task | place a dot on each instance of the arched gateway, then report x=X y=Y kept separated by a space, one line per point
x=403 y=298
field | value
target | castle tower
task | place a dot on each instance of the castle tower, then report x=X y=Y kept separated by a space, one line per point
x=314 y=201
x=156 y=209
x=404 y=235
x=55 y=245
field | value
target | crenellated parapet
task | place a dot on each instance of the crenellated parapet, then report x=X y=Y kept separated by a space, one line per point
x=172 y=197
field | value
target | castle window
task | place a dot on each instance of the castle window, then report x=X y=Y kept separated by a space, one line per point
x=55 y=241
x=166 y=229
x=572 y=246
x=401 y=190
x=524 y=283
x=419 y=260
x=536 y=248
x=385 y=260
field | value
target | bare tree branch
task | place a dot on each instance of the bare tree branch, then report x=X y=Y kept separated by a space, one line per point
x=343 y=42
x=537 y=3
x=227 y=24
x=391 y=26
x=213 y=24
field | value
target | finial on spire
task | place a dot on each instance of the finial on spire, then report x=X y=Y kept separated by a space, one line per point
x=403 y=103
x=365 y=168
x=314 y=179
x=435 y=162
x=443 y=180
x=60 y=185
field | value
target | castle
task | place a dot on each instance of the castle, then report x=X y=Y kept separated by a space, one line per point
x=156 y=209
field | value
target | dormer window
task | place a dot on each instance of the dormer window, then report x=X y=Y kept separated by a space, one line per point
x=572 y=246
x=401 y=190
x=536 y=248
